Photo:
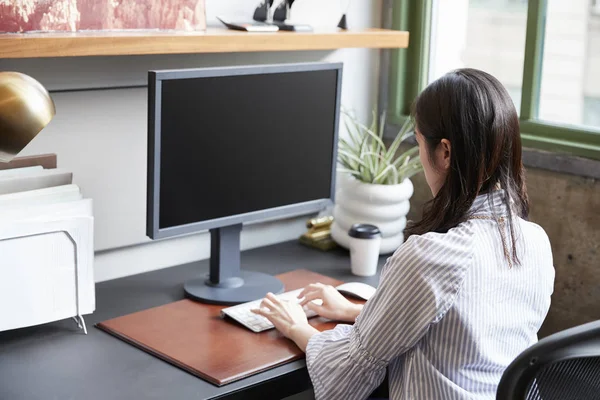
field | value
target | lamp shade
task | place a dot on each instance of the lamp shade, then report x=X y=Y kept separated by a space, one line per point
x=25 y=109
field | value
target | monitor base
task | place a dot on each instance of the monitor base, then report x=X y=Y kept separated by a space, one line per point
x=255 y=286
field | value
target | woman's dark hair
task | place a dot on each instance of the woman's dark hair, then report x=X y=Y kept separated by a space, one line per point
x=472 y=110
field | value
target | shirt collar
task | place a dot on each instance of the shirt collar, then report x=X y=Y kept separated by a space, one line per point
x=492 y=203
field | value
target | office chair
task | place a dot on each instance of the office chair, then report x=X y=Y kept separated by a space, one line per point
x=562 y=366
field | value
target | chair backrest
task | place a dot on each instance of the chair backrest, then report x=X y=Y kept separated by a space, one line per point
x=565 y=365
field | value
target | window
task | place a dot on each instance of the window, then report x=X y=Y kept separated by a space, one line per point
x=545 y=52
x=595 y=9
x=483 y=34
x=591 y=111
x=570 y=62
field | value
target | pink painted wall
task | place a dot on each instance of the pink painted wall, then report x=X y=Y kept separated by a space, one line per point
x=74 y=15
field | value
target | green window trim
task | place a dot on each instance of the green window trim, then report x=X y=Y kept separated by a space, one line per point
x=410 y=67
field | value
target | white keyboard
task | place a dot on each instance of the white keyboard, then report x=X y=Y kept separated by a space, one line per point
x=243 y=314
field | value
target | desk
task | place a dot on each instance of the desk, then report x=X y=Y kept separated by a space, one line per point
x=56 y=361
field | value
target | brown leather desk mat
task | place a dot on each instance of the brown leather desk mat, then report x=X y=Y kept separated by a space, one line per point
x=194 y=337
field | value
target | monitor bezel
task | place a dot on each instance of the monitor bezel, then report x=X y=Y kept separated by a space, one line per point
x=155 y=79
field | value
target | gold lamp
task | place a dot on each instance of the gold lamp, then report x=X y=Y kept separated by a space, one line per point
x=25 y=109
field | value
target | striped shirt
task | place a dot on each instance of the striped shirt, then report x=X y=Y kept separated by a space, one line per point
x=449 y=315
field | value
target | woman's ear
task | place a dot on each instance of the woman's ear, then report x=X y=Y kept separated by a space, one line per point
x=445 y=151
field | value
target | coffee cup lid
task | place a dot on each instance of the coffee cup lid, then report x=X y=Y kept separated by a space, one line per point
x=364 y=231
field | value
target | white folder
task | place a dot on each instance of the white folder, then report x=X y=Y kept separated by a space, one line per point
x=9 y=173
x=51 y=195
x=46 y=263
x=38 y=180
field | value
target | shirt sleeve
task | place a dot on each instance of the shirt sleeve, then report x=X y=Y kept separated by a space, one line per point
x=418 y=285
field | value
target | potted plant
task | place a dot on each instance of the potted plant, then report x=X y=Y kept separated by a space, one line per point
x=374 y=184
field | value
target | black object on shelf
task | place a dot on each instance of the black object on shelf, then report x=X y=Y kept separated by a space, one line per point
x=343 y=24
x=282 y=12
x=261 y=13
x=282 y=16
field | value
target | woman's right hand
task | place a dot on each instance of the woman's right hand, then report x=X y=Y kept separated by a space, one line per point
x=334 y=306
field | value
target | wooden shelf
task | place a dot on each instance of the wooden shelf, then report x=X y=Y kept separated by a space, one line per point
x=213 y=40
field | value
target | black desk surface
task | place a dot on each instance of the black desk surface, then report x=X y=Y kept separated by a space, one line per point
x=57 y=361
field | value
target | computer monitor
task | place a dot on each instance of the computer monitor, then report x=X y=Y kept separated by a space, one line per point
x=234 y=145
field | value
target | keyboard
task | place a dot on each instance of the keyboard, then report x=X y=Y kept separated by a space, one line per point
x=243 y=314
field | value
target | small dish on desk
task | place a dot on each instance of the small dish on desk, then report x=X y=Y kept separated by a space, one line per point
x=243 y=314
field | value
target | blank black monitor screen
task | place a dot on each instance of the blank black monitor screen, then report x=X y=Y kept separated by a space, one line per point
x=242 y=143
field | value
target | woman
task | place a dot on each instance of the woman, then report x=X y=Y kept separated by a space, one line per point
x=467 y=291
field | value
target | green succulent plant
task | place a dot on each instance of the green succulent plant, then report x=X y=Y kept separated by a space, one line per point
x=365 y=156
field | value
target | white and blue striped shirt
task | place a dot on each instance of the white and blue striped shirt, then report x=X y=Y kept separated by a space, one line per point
x=448 y=317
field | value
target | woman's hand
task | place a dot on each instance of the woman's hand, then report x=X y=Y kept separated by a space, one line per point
x=282 y=314
x=334 y=306
x=288 y=318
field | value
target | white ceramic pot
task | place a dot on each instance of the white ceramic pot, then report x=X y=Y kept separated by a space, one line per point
x=384 y=206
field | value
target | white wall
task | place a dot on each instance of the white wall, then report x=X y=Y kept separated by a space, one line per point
x=101 y=134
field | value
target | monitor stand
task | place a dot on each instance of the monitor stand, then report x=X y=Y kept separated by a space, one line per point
x=227 y=283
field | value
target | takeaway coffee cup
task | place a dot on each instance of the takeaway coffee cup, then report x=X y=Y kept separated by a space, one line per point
x=365 y=241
